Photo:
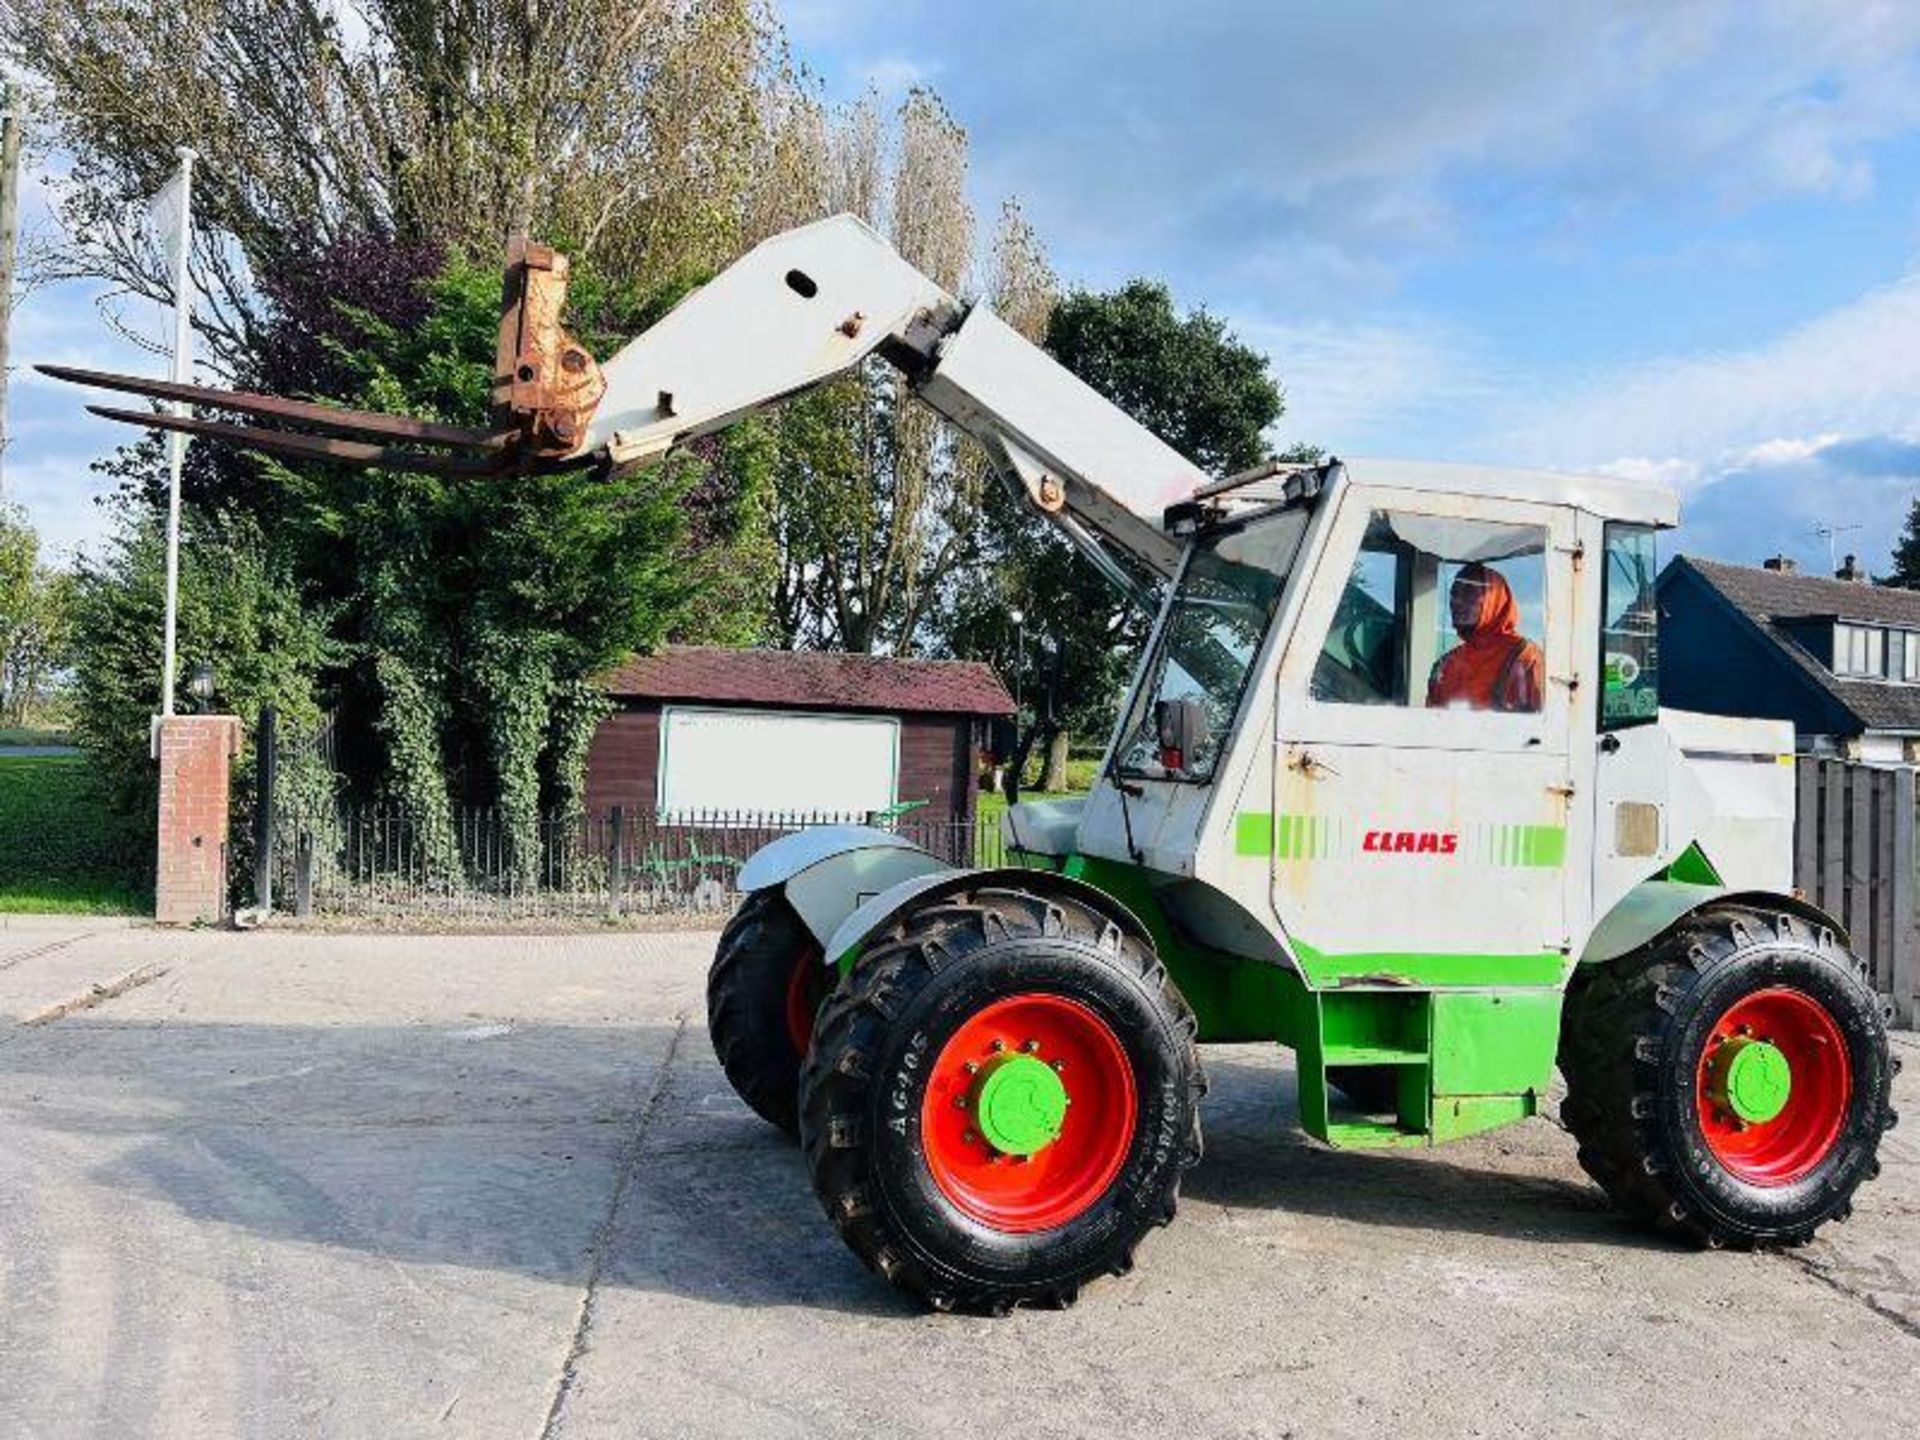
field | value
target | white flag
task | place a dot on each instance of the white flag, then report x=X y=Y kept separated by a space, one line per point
x=167 y=213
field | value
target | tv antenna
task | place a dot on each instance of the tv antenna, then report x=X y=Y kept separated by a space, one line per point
x=1828 y=532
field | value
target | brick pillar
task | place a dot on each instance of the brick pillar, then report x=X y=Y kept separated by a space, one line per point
x=196 y=767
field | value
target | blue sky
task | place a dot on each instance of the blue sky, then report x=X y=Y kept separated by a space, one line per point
x=1674 y=240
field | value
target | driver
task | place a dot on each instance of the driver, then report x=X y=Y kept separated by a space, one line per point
x=1494 y=667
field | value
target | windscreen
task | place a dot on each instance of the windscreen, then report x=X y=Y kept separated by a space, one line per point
x=1208 y=640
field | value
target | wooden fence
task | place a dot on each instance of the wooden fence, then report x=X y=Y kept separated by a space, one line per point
x=1854 y=856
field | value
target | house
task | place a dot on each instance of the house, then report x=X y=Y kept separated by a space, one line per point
x=779 y=732
x=1838 y=657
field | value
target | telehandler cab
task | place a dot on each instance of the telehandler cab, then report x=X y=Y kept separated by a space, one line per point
x=1392 y=788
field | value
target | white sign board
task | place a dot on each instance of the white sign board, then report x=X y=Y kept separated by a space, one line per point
x=773 y=762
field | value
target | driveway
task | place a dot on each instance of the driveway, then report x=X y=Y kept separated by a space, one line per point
x=300 y=1184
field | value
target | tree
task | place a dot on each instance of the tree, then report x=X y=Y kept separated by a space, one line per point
x=1906 y=553
x=239 y=611
x=628 y=130
x=34 y=605
x=474 y=613
x=1193 y=383
x=879 y=500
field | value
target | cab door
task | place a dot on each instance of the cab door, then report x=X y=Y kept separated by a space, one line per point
x=1421 y=802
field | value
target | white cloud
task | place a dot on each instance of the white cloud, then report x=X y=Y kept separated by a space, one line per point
x=1854 y=371
x=1242 y=130
x=1349 y=385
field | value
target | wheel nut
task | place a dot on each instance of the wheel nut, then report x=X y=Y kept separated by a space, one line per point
x=959 y=1102
x=1031 y=1047
x=969 y=1137
x=998 y=1046
x=1059 y=1065
x=973 y=1067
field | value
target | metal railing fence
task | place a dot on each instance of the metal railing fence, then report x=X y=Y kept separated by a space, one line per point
x=374 y=861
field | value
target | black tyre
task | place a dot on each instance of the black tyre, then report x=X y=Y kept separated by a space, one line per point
x=935 y=1103
x=1731 y=1081
x=766 y=982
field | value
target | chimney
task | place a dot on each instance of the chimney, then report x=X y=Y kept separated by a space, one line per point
x=1780 y=565
x=1850 y=570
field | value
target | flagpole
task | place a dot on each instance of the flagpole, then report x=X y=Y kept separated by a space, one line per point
x=177 y=442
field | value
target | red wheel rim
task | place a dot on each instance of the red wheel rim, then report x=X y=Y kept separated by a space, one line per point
x=1789 y=1145
x=1062 y=1179
x=803 y=999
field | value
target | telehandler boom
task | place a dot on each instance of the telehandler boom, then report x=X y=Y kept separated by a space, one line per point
x=1392 y=787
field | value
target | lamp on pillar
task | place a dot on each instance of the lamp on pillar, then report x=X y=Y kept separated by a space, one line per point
x=200 y=686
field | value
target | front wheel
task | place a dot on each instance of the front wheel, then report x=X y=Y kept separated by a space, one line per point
x=1001 y=1101
x=1731 y=1081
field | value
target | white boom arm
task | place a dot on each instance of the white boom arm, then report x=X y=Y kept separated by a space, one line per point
x=805 y=306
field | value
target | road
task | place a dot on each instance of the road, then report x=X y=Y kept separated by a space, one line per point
x=298 y=1184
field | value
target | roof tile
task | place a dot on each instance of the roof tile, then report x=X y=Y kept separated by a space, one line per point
x=810 y=679
x=1768 y=598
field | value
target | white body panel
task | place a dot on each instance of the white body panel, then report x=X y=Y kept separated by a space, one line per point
x=748 y=336
x=1746 y=768
x=807 y=305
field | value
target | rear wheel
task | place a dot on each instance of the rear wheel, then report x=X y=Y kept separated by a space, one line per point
x=767 y=981
x=1732 y=1080
x=1001 y=1100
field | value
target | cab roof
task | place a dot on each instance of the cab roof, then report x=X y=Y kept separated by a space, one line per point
x=1603 y=495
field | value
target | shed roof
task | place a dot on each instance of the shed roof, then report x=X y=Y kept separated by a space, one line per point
x=810 y=680
x=1774 y=600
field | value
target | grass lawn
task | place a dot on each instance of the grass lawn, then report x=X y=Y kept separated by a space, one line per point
x=32 y=735
x=72 y=896
x=61 y=849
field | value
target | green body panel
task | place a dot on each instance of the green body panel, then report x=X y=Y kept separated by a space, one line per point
x=1495 y=1044
x=1691 y=867
x=1457 y=1116
x=1464 y=1061
x=1544 y=967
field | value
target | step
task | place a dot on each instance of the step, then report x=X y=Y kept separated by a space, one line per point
x=1372 y=1055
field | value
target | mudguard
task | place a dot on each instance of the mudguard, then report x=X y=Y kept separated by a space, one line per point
x=829 y=871
x=1654 y=907
x=880 y=911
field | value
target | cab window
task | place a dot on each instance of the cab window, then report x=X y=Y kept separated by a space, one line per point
x=1441 y=614
x=1629 y=630
x=1184 y=709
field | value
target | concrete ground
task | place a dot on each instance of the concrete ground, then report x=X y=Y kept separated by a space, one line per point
x=284 y=1184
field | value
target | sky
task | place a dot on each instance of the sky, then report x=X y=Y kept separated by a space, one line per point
x=1677 y=241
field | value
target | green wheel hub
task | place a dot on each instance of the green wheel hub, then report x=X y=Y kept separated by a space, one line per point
x=1752 y=1079
x=1019 y=1104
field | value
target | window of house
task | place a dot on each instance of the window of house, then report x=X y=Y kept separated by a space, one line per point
x=1876 y=652
x=1440 y=613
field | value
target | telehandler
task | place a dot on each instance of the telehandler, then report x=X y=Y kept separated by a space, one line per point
x=1393 y=788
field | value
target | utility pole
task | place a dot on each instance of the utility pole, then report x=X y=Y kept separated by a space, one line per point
x=9 y=227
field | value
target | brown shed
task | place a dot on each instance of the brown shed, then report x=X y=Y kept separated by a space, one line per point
x=785 y=732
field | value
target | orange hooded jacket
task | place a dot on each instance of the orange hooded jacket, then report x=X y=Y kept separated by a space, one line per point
x=1494 y=667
